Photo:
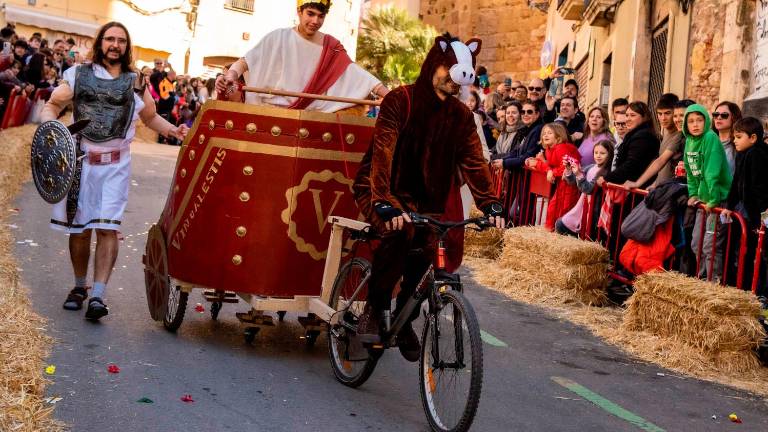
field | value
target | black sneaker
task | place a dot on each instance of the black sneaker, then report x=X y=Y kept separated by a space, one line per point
x=75 y=298
x=408 y=343
x=96 y=309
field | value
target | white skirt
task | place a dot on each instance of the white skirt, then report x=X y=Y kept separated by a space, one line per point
x=102 y=200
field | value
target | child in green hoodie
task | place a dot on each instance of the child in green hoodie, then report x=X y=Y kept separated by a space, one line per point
x=709 y=182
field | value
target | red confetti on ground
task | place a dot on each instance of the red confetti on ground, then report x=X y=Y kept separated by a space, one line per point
x=113 y=369
x=187 y=398
x=199 y=308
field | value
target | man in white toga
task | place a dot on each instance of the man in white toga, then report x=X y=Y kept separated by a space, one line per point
x=302 y=59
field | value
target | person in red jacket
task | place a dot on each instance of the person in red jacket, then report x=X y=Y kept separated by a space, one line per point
x=558 y=152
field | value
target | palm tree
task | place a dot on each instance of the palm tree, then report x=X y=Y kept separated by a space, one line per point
x=392 y=45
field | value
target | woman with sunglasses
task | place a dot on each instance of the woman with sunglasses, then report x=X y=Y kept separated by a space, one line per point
x=527 y=147
x=726 y=114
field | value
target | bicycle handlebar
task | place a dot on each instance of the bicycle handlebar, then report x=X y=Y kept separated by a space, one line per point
x=419 y=220
x=481 y=223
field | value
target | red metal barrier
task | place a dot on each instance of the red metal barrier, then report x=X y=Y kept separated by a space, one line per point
x=499 y=176
x=758 y=259
x=8 y=114
x=42 y=93
x=614 y=240
x=16 y=110
x=522 y=188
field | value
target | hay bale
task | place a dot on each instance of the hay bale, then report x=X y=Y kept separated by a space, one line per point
x=705 y=297
x=574 y=267
x=528 y=287
x=719 y=323
x=554 y=247
x=552 y=272
x=483 y=244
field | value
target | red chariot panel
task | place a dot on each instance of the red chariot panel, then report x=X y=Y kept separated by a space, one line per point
x=251 y=193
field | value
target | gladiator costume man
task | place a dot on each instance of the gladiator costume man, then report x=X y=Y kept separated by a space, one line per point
x=284 y=59
x=424 y=146
x=110 y=95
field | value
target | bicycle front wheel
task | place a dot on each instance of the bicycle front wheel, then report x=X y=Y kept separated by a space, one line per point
x=352 y=364
x=451 y=366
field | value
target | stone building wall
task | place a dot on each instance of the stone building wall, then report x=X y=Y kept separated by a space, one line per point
x=720 y=51
x=512 y=33
x=706 y=53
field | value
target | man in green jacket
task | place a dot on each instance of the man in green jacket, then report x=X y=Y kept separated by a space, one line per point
x=709 y=182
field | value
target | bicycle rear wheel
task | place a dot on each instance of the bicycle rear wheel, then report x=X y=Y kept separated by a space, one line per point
x=451 y=365
x=352 y=364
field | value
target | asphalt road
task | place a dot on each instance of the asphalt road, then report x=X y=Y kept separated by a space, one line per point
x=278 y=384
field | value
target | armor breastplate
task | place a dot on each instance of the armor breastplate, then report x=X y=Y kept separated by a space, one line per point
x=107 y=103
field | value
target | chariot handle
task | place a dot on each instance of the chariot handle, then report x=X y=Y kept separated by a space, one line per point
x=276 y=92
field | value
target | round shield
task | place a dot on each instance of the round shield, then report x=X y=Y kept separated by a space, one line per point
x=54 y=158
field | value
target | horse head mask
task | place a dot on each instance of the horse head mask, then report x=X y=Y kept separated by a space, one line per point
x=459 y=58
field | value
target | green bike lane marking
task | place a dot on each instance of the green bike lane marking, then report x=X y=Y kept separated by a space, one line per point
x=492 y=340
x=603 y=403
x=607 y=406
x=488 y=338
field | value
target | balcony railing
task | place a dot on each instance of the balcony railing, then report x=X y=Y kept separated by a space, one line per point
x=239 y=5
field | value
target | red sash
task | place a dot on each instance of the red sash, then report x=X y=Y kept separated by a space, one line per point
x=333 y=62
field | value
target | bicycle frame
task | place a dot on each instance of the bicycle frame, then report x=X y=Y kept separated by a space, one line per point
x=431 y=291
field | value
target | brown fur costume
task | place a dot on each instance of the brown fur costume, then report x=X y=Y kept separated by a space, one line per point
x=422 y=147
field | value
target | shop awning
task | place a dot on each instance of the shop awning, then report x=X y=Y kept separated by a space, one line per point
x=17 y=14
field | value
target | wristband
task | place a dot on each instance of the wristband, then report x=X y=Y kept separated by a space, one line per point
x=493 y=210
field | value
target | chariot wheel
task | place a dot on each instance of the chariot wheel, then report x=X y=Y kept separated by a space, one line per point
x=166 y=302
x=156 y=277
x=175 y=308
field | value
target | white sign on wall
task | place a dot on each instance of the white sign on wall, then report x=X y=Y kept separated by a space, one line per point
x=760 y=66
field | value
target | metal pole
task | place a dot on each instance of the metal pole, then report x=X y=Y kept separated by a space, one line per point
x=277 y=92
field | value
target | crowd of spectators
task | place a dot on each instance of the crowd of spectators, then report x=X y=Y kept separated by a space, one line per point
x=712 y=157
x=178 y=97
x=34 y=67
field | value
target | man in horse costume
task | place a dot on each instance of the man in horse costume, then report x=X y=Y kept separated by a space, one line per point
x=424 y=147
